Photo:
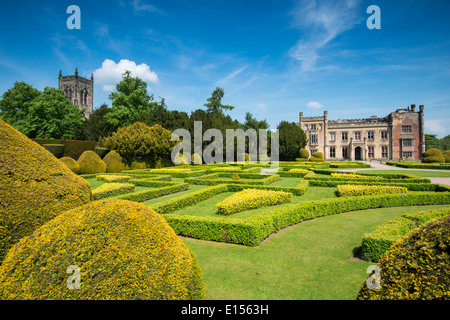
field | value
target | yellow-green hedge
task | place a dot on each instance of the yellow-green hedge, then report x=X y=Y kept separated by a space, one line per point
x=354 y=176
x=72 y=164
x=251 y=199
x=34 y=187
x=349 y=190
x=124 y=250
x=112 y=178
x=90 y=162
x=112 y=189
x=417 y=266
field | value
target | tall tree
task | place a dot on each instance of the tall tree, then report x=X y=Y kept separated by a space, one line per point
x=432 y=142
x=96 y=126
x=130 y=101
x=14 y=105
x=169 y=119
x=214 y=104
x=52 y=116
x=291 y=139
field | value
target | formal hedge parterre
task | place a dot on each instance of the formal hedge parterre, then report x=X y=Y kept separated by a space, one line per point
x=112 y=189
x=251 y=199
x=410 y=186
x=251 y=231
x=377 y=242
x=296 y=191
x=358 y=190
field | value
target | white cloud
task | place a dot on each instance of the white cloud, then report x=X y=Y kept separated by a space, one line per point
x=323 y=21
x=108 y=87
x=314 y=105
x=436 y=126
x=111 y=72
x=139 y=6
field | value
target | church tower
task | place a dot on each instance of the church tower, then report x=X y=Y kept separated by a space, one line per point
x=79 y=91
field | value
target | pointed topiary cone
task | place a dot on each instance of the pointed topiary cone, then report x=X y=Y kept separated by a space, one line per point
x=35 y=187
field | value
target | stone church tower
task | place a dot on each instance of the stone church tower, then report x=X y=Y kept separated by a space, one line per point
x=79 y=90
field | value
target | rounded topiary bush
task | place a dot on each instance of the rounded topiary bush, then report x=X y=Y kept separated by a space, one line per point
x=72 y=164
x=114 y=162
x=317 y=157
x=303 y=154
x=90 y=162
x=433 y=156
x=417 y=266
x=34 y=187
x=446 y=155
x=123 y=249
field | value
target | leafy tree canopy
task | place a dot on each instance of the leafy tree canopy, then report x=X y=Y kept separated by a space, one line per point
x=130 y=101
x=291 y=139
x=214 y=104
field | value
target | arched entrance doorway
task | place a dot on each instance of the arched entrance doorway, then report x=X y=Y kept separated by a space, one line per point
x=358 y=154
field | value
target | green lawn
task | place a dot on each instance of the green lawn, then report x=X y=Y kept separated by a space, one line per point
x=306 y=261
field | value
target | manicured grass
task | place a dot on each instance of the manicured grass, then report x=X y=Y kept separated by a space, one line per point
x=419 y=173
x=306 y=261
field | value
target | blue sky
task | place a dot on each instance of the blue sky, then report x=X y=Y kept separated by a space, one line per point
x=272 y=58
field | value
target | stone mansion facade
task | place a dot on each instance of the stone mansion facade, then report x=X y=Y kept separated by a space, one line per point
x=400 y=136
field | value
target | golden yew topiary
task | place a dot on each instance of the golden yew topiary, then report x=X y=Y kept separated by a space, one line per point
x=123 y=249
x=114 y=162
x=34 y=187
x=90 y=162
x=72 y=164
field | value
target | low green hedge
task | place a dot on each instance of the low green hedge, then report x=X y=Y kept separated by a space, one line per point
x=248 y=179
x=188 y=199
x=349 y=165
x=111 y=189
x=357 y=190
x=154 y=193
x=416 y=165
x=251 y=231
x=296 y=191
x=252 y=199
x=316 y=182
x=112 y=178
x=377 y=242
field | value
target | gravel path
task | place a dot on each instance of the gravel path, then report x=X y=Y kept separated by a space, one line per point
x=380 y=166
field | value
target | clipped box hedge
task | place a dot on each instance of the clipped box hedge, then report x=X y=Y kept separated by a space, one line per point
x=354 y=176
x=154 y=193
x=251 y=231
x=248 y=179
x=251 y=199
x=377 y=242
x=112 y=178
x=358 y=190
x=410 y=186
x=111 y=189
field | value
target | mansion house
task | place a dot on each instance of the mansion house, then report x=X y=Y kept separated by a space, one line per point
x=397 y=137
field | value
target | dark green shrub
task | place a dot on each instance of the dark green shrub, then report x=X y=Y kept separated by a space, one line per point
x=56 y=149
x=34 y=187
x=235 y=176
x=433 y=156
x=417 y=266
x=102 y=152
x=125 y=251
